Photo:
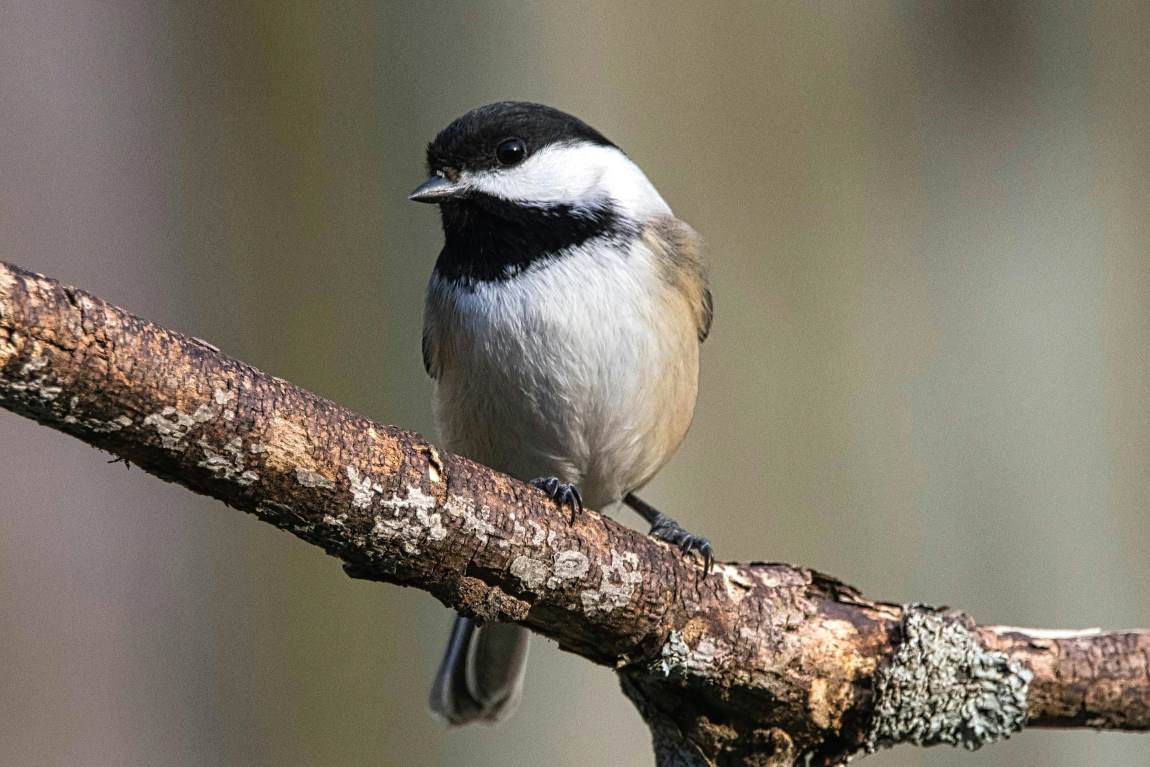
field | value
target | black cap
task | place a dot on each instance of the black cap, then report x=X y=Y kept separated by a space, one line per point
x=470 y=142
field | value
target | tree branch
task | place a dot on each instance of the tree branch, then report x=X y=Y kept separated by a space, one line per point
x=757 y=664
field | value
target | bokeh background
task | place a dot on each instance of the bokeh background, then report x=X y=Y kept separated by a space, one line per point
x=928 y=373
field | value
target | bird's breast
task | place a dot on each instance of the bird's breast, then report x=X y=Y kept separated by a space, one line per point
x=583 y=367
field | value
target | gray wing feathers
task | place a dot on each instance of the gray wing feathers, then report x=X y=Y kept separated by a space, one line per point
x=481 y=675
x=432 y=344
x=428 y=349
x=707 y=314
x=680 y=250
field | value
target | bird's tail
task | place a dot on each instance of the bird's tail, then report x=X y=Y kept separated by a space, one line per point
x=481 y=675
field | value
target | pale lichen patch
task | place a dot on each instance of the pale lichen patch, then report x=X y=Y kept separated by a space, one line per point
x=227 y=463
x=98 y=425
x=34 y=365
x=943 y=686
x=363 y=489
x=672 y=655
x=172 y=425
x=37 y=385
x=309 y=478
x=569 y=565
x=476 y=519
x=527 y=531
x=618 y=583
x=531 y=572
x=204 y=413
x=535 y=573
x=222 y=398
x=414 y=517
x=678 y=658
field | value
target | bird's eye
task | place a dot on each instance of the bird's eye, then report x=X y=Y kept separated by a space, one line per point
x=511 y=151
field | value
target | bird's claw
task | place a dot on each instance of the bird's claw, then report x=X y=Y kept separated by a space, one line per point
x=563 y=493
x=667 y=529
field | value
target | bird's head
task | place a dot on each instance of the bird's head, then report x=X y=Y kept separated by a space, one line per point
x=511 y=157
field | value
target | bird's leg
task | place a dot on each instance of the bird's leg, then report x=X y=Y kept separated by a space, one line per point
x=666 y=529
x=563 y=493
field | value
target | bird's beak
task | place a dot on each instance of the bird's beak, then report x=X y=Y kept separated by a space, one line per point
x=437 y=189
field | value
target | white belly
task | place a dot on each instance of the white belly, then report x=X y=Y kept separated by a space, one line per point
x=584 y=368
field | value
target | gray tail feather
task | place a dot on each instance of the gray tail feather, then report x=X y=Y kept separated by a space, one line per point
x=481 y=674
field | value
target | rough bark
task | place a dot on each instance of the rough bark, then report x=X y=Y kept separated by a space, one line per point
x=759 y=663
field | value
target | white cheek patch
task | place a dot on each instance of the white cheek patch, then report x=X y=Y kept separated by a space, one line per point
x=577 y=174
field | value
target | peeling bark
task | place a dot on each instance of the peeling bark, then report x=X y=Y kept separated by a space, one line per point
x=759 y=664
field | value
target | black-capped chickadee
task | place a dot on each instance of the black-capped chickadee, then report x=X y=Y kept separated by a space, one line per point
x=562 y=330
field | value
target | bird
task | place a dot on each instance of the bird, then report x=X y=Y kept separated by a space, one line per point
x=562 y=329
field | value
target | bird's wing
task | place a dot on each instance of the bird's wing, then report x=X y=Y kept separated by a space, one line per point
x=432 y=317
x=429 y=363
x=680 y=250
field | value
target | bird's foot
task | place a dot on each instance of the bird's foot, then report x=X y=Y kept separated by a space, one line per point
x=666 y=529
x=563 y=493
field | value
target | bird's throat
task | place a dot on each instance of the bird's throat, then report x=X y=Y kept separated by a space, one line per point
x=489 y=239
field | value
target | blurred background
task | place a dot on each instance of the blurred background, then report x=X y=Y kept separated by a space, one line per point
x=928 y=373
